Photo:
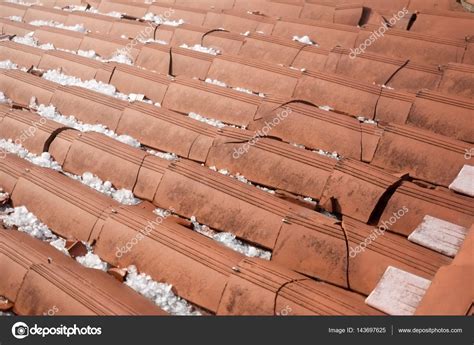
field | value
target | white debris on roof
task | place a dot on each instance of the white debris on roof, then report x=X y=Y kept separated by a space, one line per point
x=3 y=98
x=150 y=40
x=160 y=20
x=229 y=240
x=333 y=155
x=31 y=41
x=15 y=18
x=123 y=196
x=24 y=3
x=43 y=160
x=363 y=119
x=212 y=122
x=246 y=33
x=7 y=64
x=200 y=48
x=50 y=112
x=91 y=54
x=215 y=82
x=240 y=89
x=121 y=57
x=27 y=222
x=160 y=293
x=92 y=260
x=54 y=24
x=57 y=77
x=304 y=40
x=168 y=156
x=326 y=108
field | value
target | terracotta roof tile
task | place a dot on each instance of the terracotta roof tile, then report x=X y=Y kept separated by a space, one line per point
x=35 y=284
x=380 y=126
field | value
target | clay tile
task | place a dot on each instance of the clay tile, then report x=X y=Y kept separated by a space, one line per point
x=106 y=46
x=76 y=248
x=133 y=9
x=60 y=38
x=341 y=93
x=356 y=189
x=88 y=106
x=104 y=157
x=11 y=169
x=305 y=173
x=307 y=297
x=424 y=155
x=76 y=65
x=383 y=70
x=174 y=61
x=188 y=14
x=149 y=177
x=327 y=35
x=20 y=87
x=254 y=75
x=348 y=14
x=272 y=49
x=16 y=28
x=118 y=273
x=239 y=21
x=43 y=13
x=177 y=133
x=458 y=80
x=129 y=79
x=233 y=107
x=414 y=46
x=68 y=207
x=380 y=249
x=144 y=30
x=90 y=21
x=258 y=287
x=31 y=130
x=196 y=266
x=229 y=205
x=223 y=41
x=154 y=57
x=420 y=202
x=433 y=111
x=71 y=293
x=21 y=54
x=316 y=129
x=206 y=4
x=444 y=23
x=11 y=9
x=313 y=245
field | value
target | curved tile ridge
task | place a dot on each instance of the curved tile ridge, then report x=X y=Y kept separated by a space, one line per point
x=404 y=149
x=382 y=249
x=73 y=211
x=33 y=266
x=196 y=266
x=254 y=156
x=356 y=189
x=422 y=201
x=264 y=288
